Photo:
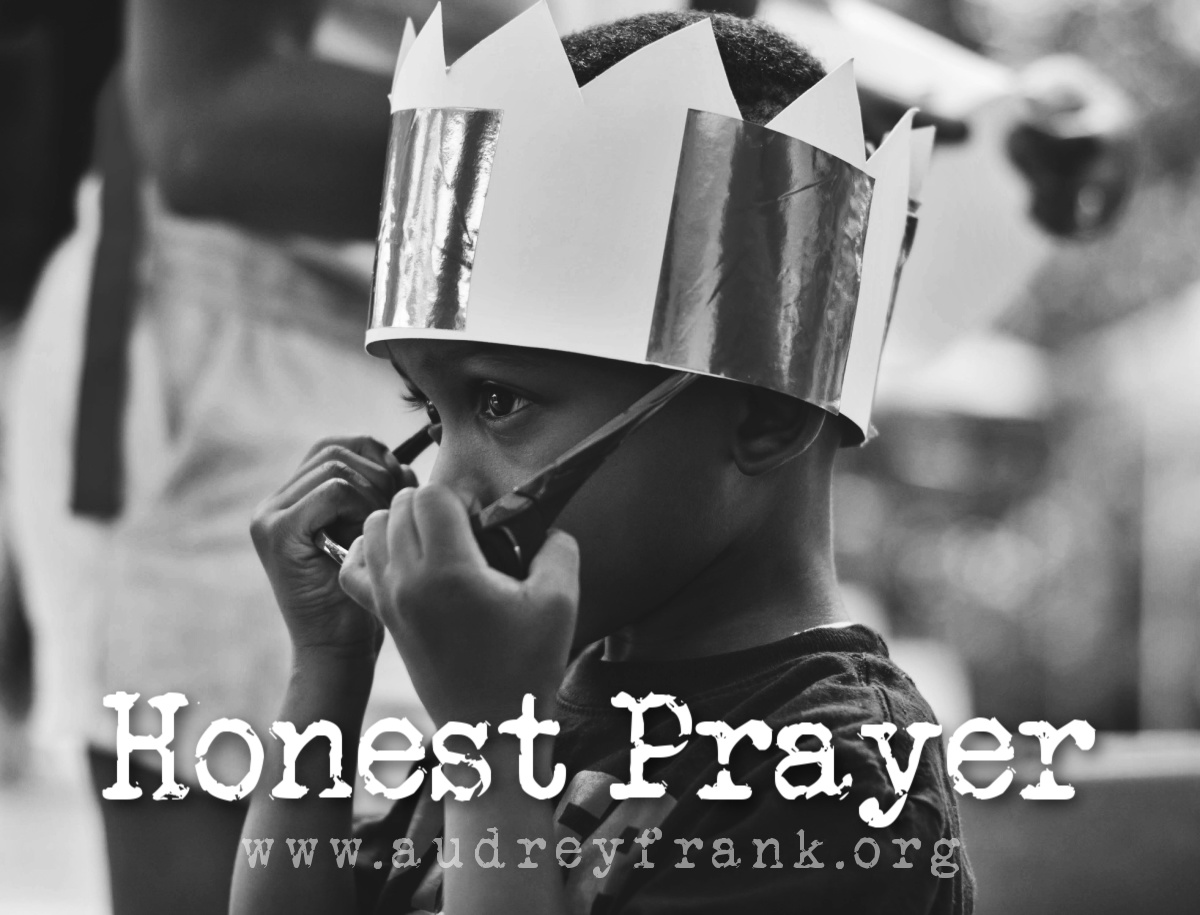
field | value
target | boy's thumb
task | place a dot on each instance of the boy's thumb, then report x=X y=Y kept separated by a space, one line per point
x=555 y=569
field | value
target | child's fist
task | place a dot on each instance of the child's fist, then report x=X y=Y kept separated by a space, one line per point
x=473 y=639
x=339 y=483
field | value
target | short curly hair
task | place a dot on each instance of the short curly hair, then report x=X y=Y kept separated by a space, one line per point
x=766 y=69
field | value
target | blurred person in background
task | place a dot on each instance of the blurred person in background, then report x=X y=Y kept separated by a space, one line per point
x=185 y=345
x=1118 y=319
x=1071 y=140
x=53 y=58
x=54 y=55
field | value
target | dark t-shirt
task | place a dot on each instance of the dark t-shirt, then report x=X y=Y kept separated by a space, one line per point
x=751 y=855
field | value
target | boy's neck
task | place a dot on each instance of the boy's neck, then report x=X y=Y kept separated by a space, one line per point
x=772 y=584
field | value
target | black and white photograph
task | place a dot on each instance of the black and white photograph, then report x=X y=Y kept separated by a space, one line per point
x=599 y=457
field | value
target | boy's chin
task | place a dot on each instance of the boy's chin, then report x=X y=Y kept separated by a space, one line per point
x=592 y=624
x=588 y=630
x=597 y=619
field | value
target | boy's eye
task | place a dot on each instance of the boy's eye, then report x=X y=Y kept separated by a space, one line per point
x=499 y=402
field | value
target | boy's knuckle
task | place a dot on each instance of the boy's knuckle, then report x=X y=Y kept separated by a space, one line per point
x=333 y=487
x=259 y=514
x=348 y=578
x=344 y=489
x=336 y=466
x=346 y=455
x=440 y=494
x=264 y=521
x=559 y=601
x=358 y=444
x=429 y=492
x=260 y=529
x=326 y=445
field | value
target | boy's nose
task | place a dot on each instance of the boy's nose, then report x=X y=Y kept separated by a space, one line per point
x=453 y=469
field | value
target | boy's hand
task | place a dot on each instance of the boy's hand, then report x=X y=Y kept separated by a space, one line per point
x=473 y=639
x=340 y=482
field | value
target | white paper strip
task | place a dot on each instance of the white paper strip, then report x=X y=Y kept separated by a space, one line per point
x=891 y=167
x=406 y=44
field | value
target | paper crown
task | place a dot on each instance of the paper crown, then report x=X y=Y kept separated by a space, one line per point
x=638 y=218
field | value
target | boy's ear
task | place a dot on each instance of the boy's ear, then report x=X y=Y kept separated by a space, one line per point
x=773 y=429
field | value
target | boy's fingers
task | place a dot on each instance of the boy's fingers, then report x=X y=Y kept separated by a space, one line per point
x=399 y=475
x=555 y=569
x=359 y=444
x=443 y=524
x=403 y=541
x=373 y=543
x=366 y=451
x=336 y=499
x=406 y=475
x=309 y=480
x=345 y=463
x=355 y=576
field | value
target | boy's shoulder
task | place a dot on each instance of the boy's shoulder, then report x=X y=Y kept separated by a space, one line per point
x=833 y=679
x=837 y=676
x=813 y=693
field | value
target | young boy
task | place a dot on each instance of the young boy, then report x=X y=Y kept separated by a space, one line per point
x=695 y=564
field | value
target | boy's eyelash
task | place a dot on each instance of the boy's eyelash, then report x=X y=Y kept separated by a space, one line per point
x=415 y=400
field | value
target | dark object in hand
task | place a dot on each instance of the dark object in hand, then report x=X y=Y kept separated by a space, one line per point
x=1074 y=145
x=1078 y=183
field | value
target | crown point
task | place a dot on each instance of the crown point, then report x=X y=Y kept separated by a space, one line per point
x=406 y=43
x=684 y=67
x=828 y=117
x=900 y=134
x=521 y=64
x=421 y=70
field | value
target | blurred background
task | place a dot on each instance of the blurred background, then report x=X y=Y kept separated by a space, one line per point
x=1025 y=530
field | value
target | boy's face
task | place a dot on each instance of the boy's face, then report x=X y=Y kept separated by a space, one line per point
x=648 y=521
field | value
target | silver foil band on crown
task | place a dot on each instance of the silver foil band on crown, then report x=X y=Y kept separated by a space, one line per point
x=760 y=269
x=439 y=165
x=763 y=259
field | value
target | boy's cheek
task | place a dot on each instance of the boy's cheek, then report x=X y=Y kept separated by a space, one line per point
x=609 y=576
x=628 y=559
